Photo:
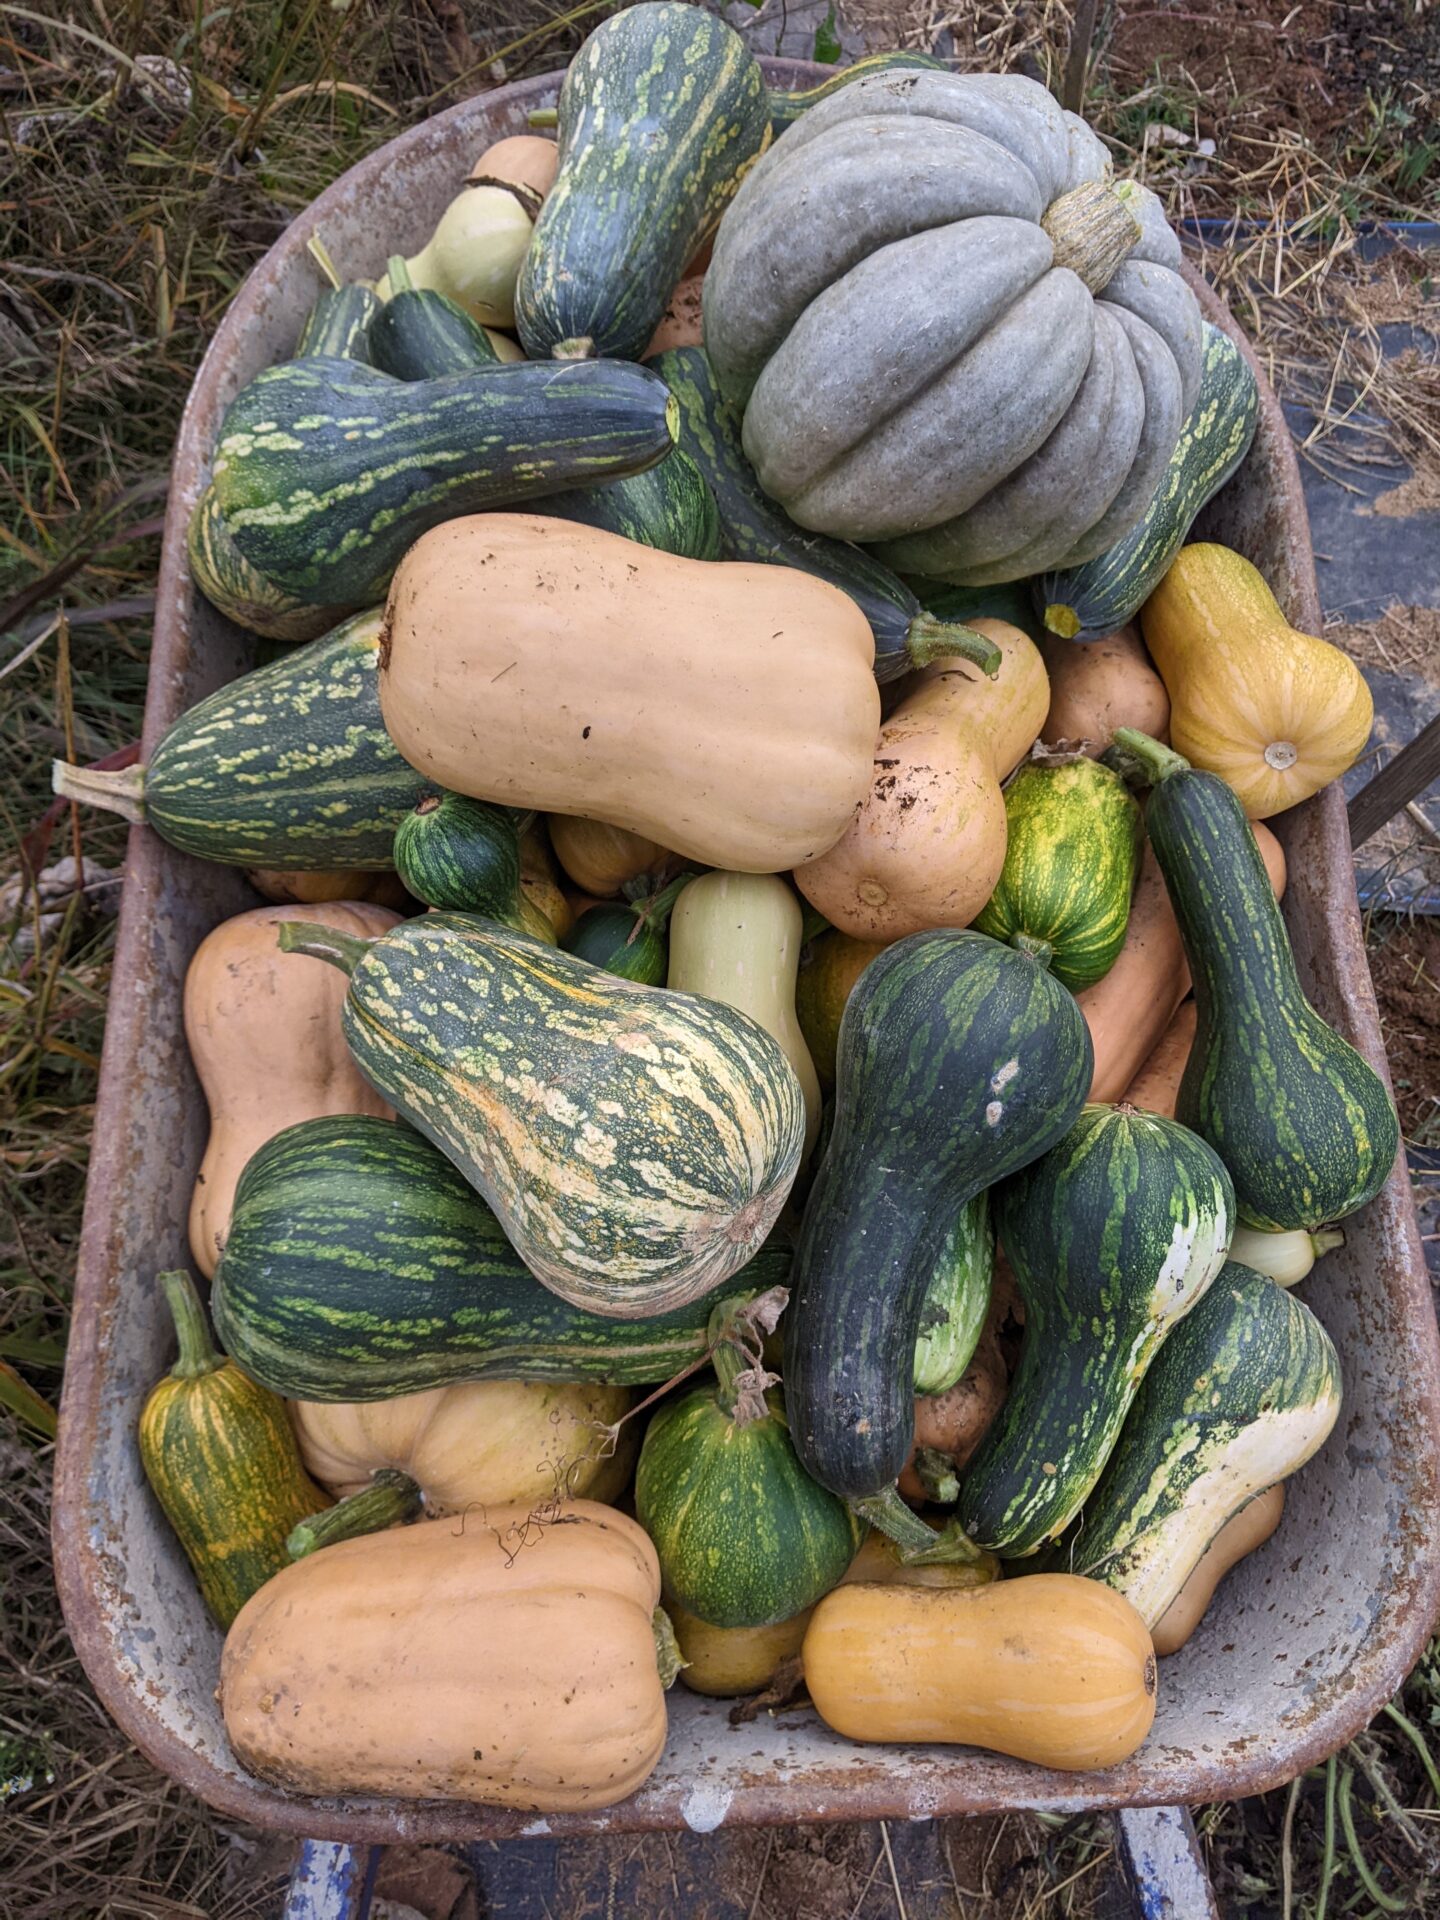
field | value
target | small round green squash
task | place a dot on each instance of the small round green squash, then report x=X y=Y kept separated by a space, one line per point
x=463 y=856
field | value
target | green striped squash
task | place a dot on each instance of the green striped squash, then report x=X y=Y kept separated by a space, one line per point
x=662 y=112
x=758 y=530
x=239 y=591
x=787 y=104
x=326 y=472
x=1243 y=1393
x=464 y=855
x=1085 y=602
x=636 y=1145
x=360 y=1264
x=957 y=1299
x=339 y=324
x=1306 y=1127
x=289 y=767
x=668 y=507
x=1113 y=1236
x=1073 y=849
x=421 y=334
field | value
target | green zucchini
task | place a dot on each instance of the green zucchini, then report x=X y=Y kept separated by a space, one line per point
x=1305 y=1126
x=1084 y=602
x=956 y=1300
x=327 y=472
x=787 y=104
x=288 y=767
x=662 y=112
x=1244 y=1391
x=1073 y=850
x=339 y=324
x=960 y=1061
x=420 y=334
x=628 y=937
x=238 y=590
x=744 y=1536
x=464 y=855
x=1113 y=1236
x=759 y=530
x=360 y=1264
x=636 y=1145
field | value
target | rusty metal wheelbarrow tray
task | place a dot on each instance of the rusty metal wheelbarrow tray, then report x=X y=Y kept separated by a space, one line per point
x=1307 y=1639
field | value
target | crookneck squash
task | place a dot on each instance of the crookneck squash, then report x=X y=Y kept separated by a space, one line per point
x=221 y=1459
x=662 y=111
x=1113 y=1236
x=241 y=592
x=360 y=1264
x=635 y=1145
x=1073 y=840
x=464 y=855
x=1250 y=1528
x=1241 y=1395
x=960 y=1062
x=728 y=712
x=288 y=767
x=787 y=104
x=521 y=1663
x=1306 y=1127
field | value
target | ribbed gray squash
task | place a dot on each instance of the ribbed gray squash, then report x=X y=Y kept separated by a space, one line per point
x=952 y=337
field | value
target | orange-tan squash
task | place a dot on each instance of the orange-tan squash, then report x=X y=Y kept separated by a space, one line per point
x=954 y=1423
x=1099 y=686
x=725 y=1662
x=526 y=163
x=830 y=965
x=348 y=883
x=727 y=711
x=1051 y=1668
x=927 y=844
x=1156 y=1087
x=264 y=1035
x=514 y=1663
x=600 y=858
x=682 y=323
x=878 y=1564
x=1247 y=1530
x=540 y=879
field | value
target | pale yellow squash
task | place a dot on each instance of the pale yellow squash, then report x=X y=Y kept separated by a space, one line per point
x=1247 y=1530
x=600 y=858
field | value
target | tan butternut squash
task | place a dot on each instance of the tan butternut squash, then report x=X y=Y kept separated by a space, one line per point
x=514 y=1663
x=1276 y=713
x=1050 y=1668
x=349 y=883
x=600 y=858
x=1156 y=1087
x=727 y=711
x=829 y=967
x=1097 y=687
x=540 y=879
x=526 y=163
x=927 y=844
x=264 y=1034
x=954 y=1423
x=1129 y=1010
x=1249 y=1529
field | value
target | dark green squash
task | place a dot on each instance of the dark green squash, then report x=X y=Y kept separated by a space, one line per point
x=668 y=506
x=241 y=592
x=787 y=104
x=759 y=530
x=326 y=472
x=662 y=111
x=338 y=325
x=1306 y=1127
x=960 y=1061
x=1072 y=853
x=1113 y=1236
x=464 y=855
x=419 y=334
x=744 y=1536
x=628 y=937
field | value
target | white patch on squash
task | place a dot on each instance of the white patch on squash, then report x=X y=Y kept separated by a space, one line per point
x=993 y=1113
x=1003 y=1078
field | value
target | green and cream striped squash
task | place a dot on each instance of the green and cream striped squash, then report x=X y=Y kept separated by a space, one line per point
x=1243 y=1393
x=360 y=1264
x=238 y=590
x=464 y=855
x=636 y=1145
x=1113 y=1236
x=1073 y=847
x=662 y=112
x=957 y=1299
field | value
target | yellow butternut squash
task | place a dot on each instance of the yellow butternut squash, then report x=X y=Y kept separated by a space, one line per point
x=829 y=967
x=600 y=858
x=725 y=1662
x=525 y=163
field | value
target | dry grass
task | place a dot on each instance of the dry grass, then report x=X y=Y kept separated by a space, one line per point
x=152 y=151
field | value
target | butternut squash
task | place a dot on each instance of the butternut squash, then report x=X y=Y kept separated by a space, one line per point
x=829 y=967
x=927 y=844
x=265 y=1038
x=526 y=163
x=540 y=879
x=1247 y=1530
x=725 y=1662
x=727 y=711
x=600 y=858
x=514 y=1663
x=348 y=883
x=1157 y=1085
x=1050 y=1668
x=1129 y=1010
x=1096 y=687
x=1276 y=713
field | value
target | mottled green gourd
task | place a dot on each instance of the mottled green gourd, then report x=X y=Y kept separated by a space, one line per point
x=960 y=1061
x=327 y=472
x=787 y=104
x=1093 y=599
x=1113 y=1236
x=360 y=1264
x=662 y=111
x=220 y=1457
x=1306 y=1127
x=629 y=938
x=636 y=1145
x=339 y=325
x=744 y=1535
x=1073 y=848
x=421 y=334
x=759 y=530
x=956 y=1300
x=288 y=767
x=463 y=855
x=1243 y=1393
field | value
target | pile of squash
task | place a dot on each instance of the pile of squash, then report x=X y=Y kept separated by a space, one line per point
x=768 y=1125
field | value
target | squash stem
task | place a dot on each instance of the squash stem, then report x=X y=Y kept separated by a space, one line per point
x=390 y=1498
x=397 y=272
x=735 y=1331
x=122 y=792
x=1039 y=950
x=342 y=950
x=198 y=1353
x=582 y=347
x=543 y=117
x=936 y=1474
x=931 y=639
x=652 y=912
x=1091 y=228
x=320 y=254
x=920 y=1546
x=668 y=1657
x=1327 y=1240
x=1142 y=761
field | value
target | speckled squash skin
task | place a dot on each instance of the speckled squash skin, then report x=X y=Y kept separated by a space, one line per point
x=241 y=592
x=464 y=855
